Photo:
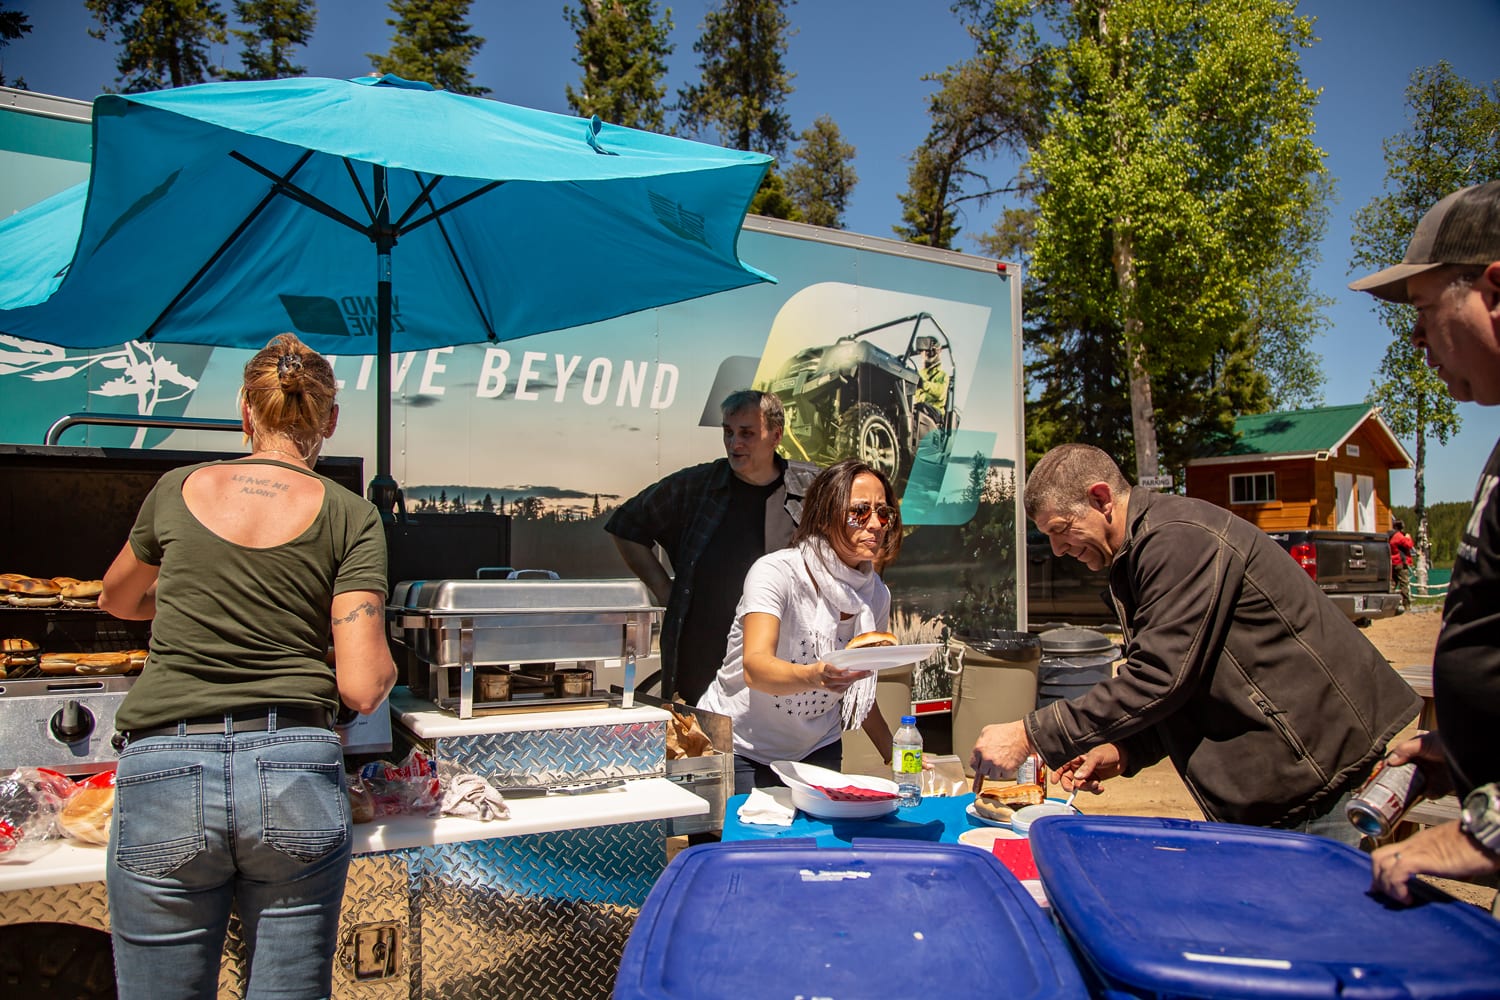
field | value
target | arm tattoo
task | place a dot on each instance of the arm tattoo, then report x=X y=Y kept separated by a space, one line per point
x=364 y=609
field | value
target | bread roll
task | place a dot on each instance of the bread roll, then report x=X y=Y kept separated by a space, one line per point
x=82 y=589
x=361 y=802
x=988 y=805
x=1028 y=794
x=85 y=816
x=103 y=663
x=17 y=645
x=30 y=593
x=59 y=663
x=871 y=639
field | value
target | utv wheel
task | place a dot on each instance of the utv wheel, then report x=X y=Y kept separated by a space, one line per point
x=868 y=434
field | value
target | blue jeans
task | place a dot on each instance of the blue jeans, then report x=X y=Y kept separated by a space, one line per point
x=1334 y=821
x=257 y=820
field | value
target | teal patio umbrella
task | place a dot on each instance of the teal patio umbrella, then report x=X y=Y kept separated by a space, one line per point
x=369 y=216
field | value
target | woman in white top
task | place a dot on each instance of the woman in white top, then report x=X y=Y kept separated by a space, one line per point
x=799 y=604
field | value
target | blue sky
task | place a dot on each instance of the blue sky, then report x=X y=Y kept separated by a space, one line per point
x=860 y=62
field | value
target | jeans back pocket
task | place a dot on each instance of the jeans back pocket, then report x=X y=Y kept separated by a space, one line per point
x=159 y=820
x=305 y=807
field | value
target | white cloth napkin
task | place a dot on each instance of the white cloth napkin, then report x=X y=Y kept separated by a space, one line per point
x=768 y=807
x=470 y=796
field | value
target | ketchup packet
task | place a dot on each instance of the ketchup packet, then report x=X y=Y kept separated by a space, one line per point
x=853 y=793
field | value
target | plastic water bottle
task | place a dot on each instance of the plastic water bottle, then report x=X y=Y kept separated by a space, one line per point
x=906 y=761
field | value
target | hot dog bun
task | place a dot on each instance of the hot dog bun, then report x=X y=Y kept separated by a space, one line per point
x=1007 y=797
x=86 y=815
x=871 y=639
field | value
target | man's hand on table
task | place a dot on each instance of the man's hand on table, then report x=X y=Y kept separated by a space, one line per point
x=999 y=751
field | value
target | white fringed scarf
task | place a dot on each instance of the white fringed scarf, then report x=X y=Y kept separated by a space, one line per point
x=845 y=590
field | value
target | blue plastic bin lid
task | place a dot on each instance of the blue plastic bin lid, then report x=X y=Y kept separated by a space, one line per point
x=882 y=918
x=1161 y=907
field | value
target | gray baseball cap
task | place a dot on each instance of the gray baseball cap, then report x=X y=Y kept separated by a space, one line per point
x=1463 y=228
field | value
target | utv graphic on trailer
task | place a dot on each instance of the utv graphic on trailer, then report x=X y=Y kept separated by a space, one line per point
x=854 y=399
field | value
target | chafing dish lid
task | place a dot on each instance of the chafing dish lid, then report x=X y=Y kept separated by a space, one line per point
x=500 y=596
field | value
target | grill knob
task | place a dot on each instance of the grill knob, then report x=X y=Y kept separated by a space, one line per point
x=72 y=722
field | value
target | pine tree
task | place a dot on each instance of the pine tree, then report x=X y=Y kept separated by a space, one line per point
x=742 y=94
x=1453 y=141
x=622 y=50
x=432 y=43
x=163 y=43
x=272 y=28
x=989 y=104
x=13 y=24
x=822 y=180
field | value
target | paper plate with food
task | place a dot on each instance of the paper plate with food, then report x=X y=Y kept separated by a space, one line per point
x=996 y=805
x=878 y=651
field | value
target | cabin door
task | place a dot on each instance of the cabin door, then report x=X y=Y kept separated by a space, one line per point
x=1343 y=488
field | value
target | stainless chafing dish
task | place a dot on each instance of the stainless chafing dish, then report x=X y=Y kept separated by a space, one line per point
x=450 y=627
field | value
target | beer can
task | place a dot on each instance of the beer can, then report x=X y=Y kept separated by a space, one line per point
x=1385 y=798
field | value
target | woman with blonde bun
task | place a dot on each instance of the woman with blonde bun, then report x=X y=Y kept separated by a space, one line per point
x=230 y=788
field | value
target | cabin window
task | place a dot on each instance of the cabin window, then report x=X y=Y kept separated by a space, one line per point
x=1258 y=487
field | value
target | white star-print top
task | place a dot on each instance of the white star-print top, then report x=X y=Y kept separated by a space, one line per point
x=771 y=727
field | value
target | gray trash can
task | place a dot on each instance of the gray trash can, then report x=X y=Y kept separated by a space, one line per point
x=996 y=682
x=1073 y=660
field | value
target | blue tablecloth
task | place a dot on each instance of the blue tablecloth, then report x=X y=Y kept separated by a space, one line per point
x=937 y=818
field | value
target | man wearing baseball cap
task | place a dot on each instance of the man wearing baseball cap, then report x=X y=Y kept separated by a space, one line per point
x=1451 y=274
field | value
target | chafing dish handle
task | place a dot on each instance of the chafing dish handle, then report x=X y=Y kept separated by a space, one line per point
x=466 y=672
x=627 y=700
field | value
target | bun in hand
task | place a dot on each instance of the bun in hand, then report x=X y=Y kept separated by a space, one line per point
x=871 y=639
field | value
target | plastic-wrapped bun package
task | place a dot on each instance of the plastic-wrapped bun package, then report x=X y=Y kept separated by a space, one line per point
x=30 y=800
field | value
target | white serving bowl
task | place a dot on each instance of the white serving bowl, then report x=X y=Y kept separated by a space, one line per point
x=801 y=779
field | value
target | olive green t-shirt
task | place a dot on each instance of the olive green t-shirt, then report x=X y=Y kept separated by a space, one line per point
x=239 y=627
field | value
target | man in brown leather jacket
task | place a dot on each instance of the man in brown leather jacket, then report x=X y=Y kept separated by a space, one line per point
x=1267 y=699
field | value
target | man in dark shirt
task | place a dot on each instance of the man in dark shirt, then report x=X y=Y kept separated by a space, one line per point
x=712 y=521
x=1451 y=274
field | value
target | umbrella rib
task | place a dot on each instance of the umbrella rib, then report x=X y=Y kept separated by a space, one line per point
x=285 y=187
x=489 y=328
x=424 y=196
x=223 y=247
x=358 y=187
x=452 y=205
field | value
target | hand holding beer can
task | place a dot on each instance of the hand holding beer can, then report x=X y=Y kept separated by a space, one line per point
x=1391 y=790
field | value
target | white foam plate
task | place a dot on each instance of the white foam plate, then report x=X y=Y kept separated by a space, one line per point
x=974 y=815
x=984 y=837
x=880 y=657
x=801 y=778
x=1027 y=815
